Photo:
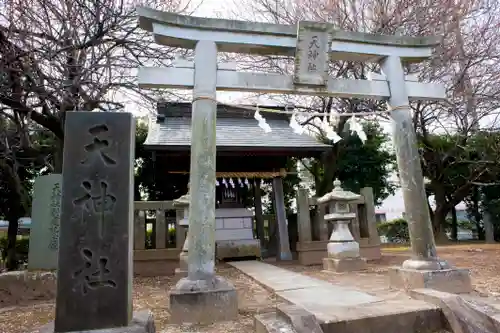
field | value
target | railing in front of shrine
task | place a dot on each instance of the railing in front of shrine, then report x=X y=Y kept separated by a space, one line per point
x=156 y=225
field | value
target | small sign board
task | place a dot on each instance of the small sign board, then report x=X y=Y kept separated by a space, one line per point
x=311 y=57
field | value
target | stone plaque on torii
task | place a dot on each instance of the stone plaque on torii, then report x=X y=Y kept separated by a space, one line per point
x=313 y=45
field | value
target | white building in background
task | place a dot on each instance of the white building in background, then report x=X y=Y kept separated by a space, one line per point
x=24 y=225
x=393 y=208
x=380 y=217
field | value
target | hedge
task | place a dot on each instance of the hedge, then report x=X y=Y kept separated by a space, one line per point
x=396 y=230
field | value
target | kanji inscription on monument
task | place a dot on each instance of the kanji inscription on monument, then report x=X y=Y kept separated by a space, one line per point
x=97 y=201
x=95 y=250
x=98 y=146
x=55 y=215
x=311 y=59
x=93 y=273
x=45 y=219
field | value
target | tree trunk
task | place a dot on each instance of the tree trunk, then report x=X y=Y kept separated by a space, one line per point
x=58 y=155
x=454 y=224
x=489 y=230
x=479 y=230
x=439 y=217
x=476 y=213
x=439 y=223
x=11 y=262
x=14 y=213
x=325 y=184
x=17 y=209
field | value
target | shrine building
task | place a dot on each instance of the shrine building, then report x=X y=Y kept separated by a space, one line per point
x=246 y=155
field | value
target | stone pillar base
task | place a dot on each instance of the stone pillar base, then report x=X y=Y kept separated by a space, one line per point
x=179 y=273
x=344 y=264
x=203 y=301
x=142 y=322
x=183 y=261
x=454 y=280
x=285 y=256
x=182 y=271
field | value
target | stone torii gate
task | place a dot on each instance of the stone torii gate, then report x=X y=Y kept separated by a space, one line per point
x=313 y=45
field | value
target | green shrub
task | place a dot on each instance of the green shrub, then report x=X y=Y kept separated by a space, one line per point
x=151 y=242
x=462 y=224
x=22 y=249
x=149 y=239
x=3 y=248
x=396 y=230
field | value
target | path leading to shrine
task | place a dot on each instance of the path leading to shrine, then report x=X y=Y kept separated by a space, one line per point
x=335 y=305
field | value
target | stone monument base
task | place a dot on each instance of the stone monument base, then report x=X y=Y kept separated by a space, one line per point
x=142 y=322
x=203 y=301
x=454 y=280
x=344 y=264
x=22 y=286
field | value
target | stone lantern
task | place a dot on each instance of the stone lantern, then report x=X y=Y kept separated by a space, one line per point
x=343 y=250
x=183 y=202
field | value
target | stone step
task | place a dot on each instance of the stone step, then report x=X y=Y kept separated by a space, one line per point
x=294 y=319
x=389 y=316
x=464 y=313
x=287 y=319
x=339 y=309
x=272 y=323
x=301 y=320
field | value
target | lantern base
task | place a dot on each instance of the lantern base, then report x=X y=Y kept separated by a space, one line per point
x=344 y=264
x=339 y=250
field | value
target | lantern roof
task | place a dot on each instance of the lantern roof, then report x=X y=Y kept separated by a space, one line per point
x=338 y=194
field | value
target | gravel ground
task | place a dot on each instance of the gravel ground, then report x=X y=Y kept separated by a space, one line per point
x=481 y=259
x=152 y=293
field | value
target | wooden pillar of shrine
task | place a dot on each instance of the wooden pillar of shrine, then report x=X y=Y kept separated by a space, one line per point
x=259 y=219
x=284 y=252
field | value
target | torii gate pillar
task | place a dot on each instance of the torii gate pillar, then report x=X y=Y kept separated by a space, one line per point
x=424 y=269
x=203 y=297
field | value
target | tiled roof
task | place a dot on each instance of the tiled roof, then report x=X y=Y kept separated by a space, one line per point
x=232 y=133
x=236 y=128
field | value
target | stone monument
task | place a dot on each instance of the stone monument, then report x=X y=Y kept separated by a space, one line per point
x=343 y=250
x=94 y=277
x=45 y=217
x=183 y=203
